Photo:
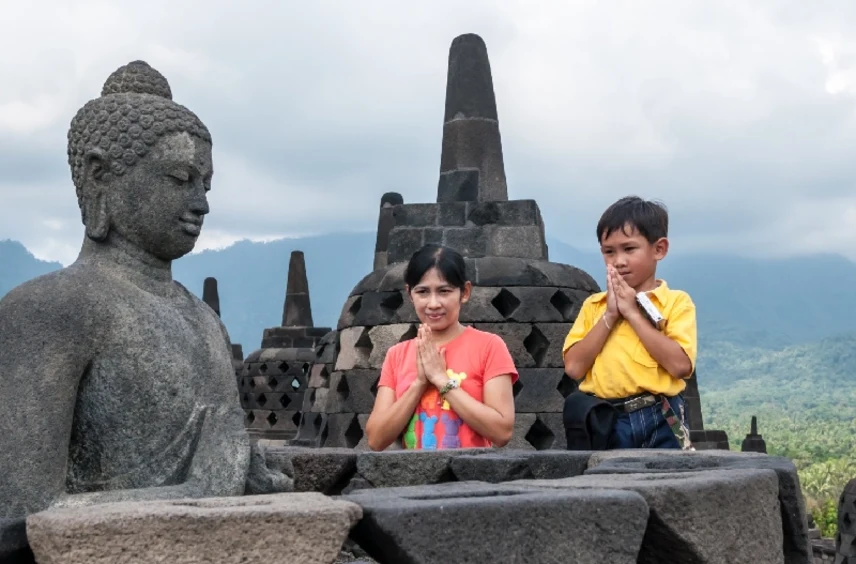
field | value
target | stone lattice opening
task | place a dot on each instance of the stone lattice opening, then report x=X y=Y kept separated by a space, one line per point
x=342 y=388
x=373 y=389
x=272 y=419
x=261 y=400
x=355 y=307
x=354 y=433
x=273 y=382
x=540 y=436
x=296 y=385
x=263 y=367
x=296 y=418
x=306 y=368
x=250 y=417
x=563 y=304
x=505 y=303
x=518 y=385
x=537 y=345
x=284 y=401
x=391 y=303
x=566 y=386
x=283 y=367
x=364 y=343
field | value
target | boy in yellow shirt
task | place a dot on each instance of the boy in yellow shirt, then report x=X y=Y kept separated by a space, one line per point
x=616 y=352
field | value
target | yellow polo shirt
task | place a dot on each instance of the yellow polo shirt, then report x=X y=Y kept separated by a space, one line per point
x=624 y=367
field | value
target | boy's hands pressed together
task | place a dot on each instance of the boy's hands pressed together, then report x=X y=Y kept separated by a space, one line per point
x=612 y=314
x=624 y=295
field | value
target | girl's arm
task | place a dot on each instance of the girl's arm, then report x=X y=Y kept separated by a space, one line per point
x=390 y=417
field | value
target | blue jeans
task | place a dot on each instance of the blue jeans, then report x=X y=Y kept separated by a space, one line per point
x=646 y=427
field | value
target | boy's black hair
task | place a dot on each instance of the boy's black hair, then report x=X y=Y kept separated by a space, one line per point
x=448 y=261
x=648 y=217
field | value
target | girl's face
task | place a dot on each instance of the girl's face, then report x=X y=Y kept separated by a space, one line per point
x=438 y=303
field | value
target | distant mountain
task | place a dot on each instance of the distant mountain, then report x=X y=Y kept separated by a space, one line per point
x=766 y=304
x=17 y=265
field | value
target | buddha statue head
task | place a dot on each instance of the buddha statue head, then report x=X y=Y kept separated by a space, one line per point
x=141 y=165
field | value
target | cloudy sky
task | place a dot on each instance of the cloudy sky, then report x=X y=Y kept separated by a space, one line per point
x=740 y=115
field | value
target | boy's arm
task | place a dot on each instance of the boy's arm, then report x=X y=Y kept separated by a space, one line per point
x=675 y=348
x=585 y=341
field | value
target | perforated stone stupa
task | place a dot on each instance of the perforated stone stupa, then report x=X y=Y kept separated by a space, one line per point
x=275 y=377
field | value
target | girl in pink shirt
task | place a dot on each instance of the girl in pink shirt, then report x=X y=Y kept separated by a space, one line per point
x=451 y=385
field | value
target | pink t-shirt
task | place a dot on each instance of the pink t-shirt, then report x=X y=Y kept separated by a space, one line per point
x=472 y=358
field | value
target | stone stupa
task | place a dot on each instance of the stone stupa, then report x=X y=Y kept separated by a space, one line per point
x=275 y=378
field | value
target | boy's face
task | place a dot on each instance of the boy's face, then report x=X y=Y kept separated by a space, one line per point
x=633 y=256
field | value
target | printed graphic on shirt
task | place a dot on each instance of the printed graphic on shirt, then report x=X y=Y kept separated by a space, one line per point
x=435 y=425
x=410 y=433
x=456 y=377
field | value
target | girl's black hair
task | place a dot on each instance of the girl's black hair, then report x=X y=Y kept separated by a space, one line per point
x=448 y=261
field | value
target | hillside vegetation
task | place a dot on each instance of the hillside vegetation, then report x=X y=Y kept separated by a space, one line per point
x=805 y=399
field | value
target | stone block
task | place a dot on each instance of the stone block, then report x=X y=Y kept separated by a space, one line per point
x=433 y=236
x=709 y=439
x=521 y=242
x=355 y=347
x=469 y=241
x=452 y=214
x=492 y=468
x=796 y=546
x=522 y=424
x=319 y=376
x=357 y=389
x=311 y=525
x=380 y=307
x=547 y=351
x=515 y=336
x=480 y=307
x=403 y=242
x=383 y=338
x=389 y=469
x=324 y=470
x=508 y=213
x=460 y=185
x=537 y=390
x=416 y=215
x=343 y=430
x=713 y=516
x=514 y=524
x=556 y=464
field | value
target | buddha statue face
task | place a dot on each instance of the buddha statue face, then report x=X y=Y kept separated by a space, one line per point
x=158 y=205
x=141 y=164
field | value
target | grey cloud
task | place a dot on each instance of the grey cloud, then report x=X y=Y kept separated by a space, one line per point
x=316 y=112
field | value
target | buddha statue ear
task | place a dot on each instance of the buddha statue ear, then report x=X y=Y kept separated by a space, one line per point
x=95 y=213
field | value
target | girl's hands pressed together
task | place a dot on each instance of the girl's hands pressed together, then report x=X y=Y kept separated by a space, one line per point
x=431 y=359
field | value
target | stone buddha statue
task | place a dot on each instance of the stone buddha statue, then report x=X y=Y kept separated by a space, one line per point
x=116 y=382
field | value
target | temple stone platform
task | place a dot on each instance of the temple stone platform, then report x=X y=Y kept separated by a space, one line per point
x=468 y=505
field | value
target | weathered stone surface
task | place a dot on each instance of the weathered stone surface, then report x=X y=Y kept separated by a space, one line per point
x=311 y=525
x=538 y=390
x=693 y=513
x=517 y=213
x=384 y=337
x=522 y=423
x=555 y=464
x=520 y=241
x=416 y=215
x=514 y=524
x=796 y=547
x=403 y=242
x=13 y=542
x=409 y=467
x=469 y=241
x=492 y=468
x=343 y=430
x=324 y=470
x=355 y=348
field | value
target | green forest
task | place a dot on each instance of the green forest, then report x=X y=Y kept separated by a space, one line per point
x=805 y=399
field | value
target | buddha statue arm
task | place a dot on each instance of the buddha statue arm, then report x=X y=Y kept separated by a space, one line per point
x=44 y=351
